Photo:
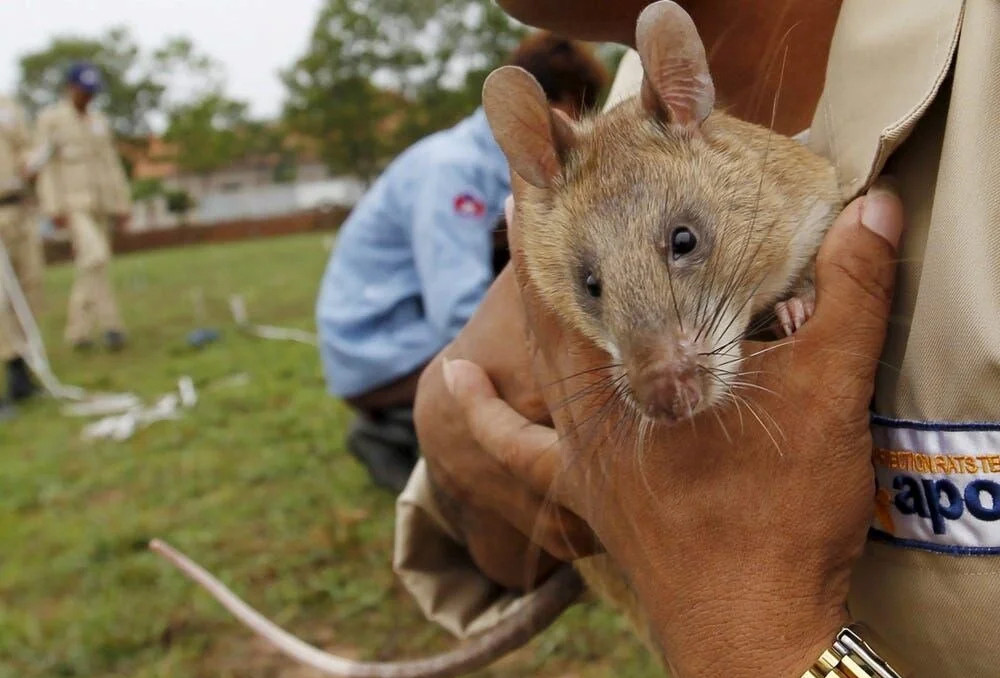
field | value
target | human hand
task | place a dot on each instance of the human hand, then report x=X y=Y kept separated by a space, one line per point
x=28 y=176
x=738 y=529
x=120 y=222
x=499 y=516
x=598 y=21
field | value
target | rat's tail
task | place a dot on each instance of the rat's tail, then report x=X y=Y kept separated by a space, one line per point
x=553 y=597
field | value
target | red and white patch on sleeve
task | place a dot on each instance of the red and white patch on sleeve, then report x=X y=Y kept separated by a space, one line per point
x=468 y=205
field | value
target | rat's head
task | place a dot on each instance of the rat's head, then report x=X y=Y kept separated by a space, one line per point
x=659 y=229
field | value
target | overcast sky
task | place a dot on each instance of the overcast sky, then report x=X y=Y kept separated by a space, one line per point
x=251 y=38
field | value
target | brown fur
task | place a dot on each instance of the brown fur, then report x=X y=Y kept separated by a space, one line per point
x=758 y=195
x=604 y=196
x=760 y=203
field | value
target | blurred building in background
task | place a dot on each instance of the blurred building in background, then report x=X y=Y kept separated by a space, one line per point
x=253 y=187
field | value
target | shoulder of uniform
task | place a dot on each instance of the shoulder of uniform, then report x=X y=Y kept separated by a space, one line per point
x=455 y=159
x=11 y=105
x=51 y=111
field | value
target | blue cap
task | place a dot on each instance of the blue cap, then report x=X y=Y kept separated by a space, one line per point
x=86 y=76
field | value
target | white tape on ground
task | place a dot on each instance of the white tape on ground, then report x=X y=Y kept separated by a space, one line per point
x=36 y=357
x=239 y=311
x=122 y=413
x=123 y=426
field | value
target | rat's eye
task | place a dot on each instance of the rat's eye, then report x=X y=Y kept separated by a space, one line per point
x=593 y=284
x=682 y=241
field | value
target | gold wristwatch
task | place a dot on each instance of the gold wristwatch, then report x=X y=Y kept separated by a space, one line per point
x=852 y=656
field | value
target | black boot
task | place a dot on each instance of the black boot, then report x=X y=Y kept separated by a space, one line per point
x=386 y=443
x=20 y=385
x=114 y=340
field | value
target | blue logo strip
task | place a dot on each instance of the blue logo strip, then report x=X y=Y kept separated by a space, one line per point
x=878 y=535
x=879 y=420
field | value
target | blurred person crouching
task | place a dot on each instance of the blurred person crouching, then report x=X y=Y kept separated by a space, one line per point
x=21 y=238
x=83 y=187
x=415 y=257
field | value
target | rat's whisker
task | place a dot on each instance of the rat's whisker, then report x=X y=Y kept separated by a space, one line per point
x=761 y=324
x=749 y=298
x=736 y=374
x=764 y=411
x=581 y=373
x=895 y=368
x=758 y=353
x=761 y=422
x=747 y=384
x=645 y=426
x=725 y=431
x=739 y=410
x=614 y=386
x=733 y=189
x=599 y=385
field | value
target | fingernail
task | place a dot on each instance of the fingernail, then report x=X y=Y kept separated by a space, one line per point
x=880 y=213
x=508 y=208
x=449 y=375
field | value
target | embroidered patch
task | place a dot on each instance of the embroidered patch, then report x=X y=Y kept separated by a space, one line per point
x=468 y=205
x=938 y=486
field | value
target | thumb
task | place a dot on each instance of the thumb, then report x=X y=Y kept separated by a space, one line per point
x=530 y=452
x=855 y=272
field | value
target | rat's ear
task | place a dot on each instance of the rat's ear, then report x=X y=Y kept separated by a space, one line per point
x=677 y=87
x=534 y=137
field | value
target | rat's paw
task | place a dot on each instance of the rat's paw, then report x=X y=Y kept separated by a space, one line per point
x=793 y=313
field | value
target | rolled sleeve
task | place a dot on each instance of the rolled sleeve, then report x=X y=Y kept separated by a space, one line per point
x=434 y=566
x=452 y=242
x=50 y=199
x=119 y=200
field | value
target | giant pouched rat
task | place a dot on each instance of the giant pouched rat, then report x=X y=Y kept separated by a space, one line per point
x=661 y=230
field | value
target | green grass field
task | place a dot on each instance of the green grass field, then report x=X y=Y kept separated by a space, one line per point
x=253 y=482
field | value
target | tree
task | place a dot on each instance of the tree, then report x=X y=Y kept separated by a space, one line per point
x=379 y=74
x=144 y=189
x=136 y=83
x=179 y=202
x=130 y=93
x=207 y=133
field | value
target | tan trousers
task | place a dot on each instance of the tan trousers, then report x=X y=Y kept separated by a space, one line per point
x=21 y=238
x=92 y=300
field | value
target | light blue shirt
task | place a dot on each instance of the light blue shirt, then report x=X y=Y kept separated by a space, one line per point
x=413 y=260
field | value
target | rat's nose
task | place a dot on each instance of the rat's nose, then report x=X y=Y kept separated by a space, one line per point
x=668 y=394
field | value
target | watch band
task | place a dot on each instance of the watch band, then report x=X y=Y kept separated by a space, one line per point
x=851 y=656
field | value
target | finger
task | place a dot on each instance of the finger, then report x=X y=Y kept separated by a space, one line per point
x=540 y=520
x=563 y=534
x=855 y=271
x=530 y=452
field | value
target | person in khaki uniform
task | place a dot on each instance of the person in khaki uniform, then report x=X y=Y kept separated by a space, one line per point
x=912 y=89
x=83 y=187
x=19 y=234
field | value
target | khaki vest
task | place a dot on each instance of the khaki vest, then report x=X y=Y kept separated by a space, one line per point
x=913 y=89
x=84 y=173
x=14 y=142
